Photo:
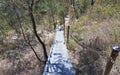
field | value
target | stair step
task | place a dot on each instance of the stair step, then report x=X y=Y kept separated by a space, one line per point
x=58 y=73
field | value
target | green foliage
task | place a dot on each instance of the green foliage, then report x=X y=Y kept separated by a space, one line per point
x=110 y=1
x=84 y=5
x=72 y=45
x=104 y=11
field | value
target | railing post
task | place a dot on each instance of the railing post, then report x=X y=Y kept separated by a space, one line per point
x=68 y=31
x=111 y=60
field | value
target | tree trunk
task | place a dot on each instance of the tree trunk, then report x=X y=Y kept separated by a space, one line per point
x=71 y=2
x=53 y=18
x=37 y=36
x=63 y=21
x=22 y=31
x=35 y=31
x=92 y=2
x=75 y=10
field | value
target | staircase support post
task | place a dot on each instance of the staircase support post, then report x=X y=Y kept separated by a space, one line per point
x=111 y=60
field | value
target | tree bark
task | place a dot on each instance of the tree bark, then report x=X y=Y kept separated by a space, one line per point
x=71 y=2
x=75 y=10
x=53 y=18
x=22 y=31
x=92 y=2
x=35 y=31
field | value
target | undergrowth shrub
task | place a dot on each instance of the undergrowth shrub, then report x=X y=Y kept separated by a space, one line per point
x=104 y=11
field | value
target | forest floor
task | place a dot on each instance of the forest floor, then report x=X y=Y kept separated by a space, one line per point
x=17 y=58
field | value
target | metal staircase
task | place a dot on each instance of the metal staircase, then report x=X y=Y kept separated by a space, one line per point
x=58 y=62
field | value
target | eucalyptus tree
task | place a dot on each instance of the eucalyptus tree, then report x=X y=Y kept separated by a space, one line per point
x=17 y=13
x=30 y=6
x=92 y=2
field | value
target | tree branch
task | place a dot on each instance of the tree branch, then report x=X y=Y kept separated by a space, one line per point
x=26 y=39
x=35 y=31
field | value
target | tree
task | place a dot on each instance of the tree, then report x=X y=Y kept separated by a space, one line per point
x=34 y=28
x=16 y=13
x=92 y=2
